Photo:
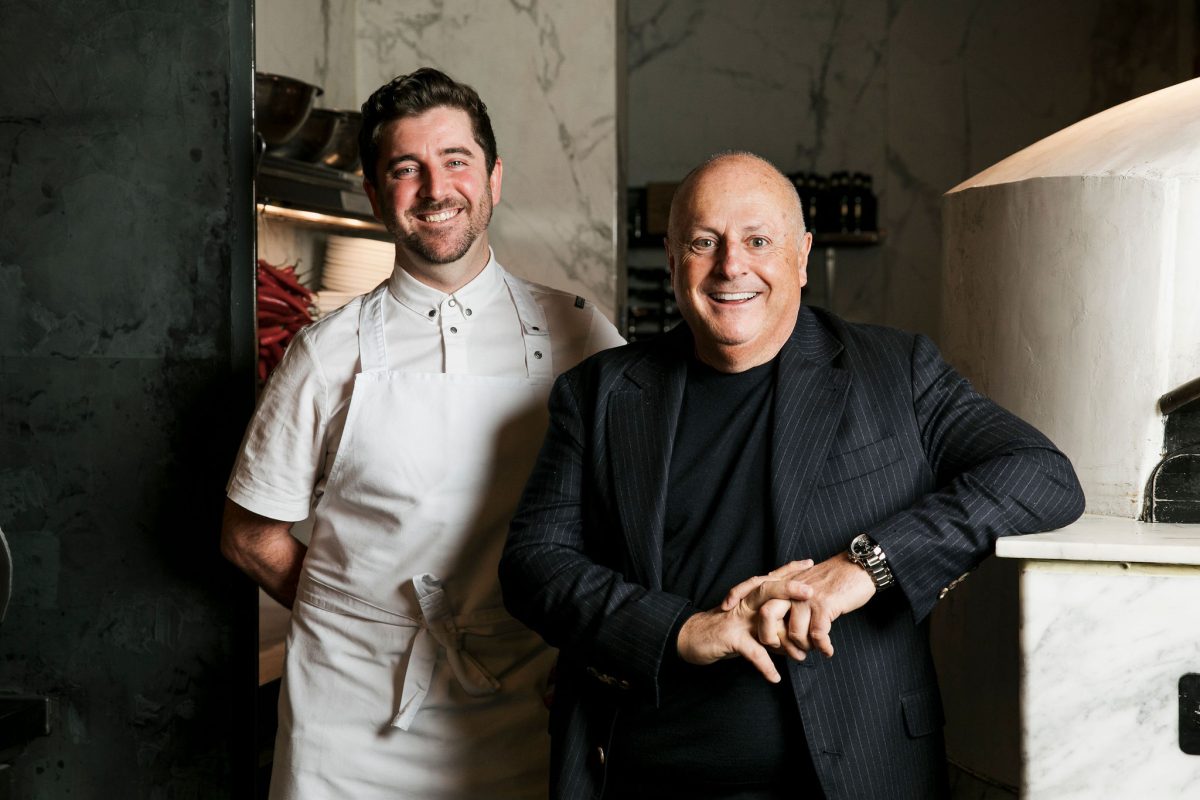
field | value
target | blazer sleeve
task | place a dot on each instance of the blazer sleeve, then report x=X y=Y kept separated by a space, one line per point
x=996 y=476
x=552 y=577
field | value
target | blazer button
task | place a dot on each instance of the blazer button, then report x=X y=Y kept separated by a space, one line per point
x=600 y=757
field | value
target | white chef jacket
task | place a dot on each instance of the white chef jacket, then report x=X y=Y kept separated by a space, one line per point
x=294 y=435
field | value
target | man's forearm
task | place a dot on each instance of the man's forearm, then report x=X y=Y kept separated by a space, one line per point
x=264 y=549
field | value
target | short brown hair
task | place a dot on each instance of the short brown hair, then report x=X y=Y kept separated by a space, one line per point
x=414 y=94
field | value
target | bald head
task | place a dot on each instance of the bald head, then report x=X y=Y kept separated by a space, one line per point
x=720 y=168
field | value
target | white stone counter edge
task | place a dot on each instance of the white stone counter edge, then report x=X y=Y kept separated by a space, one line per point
x=1098 y=538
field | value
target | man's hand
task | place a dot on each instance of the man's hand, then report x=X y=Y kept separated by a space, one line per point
x=837 y=586
x=731 y=631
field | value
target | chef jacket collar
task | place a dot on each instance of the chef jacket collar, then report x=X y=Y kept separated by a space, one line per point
x=423 y=299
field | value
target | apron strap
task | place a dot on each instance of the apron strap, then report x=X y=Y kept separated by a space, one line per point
x=535 y=331
x=372 y=344
x=439 y=628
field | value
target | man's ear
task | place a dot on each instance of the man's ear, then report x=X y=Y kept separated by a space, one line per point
x=805 y=248
x=495 y=179
x=369 y=188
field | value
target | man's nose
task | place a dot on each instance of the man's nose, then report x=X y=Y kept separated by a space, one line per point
x=434 y=184
x=730 y=260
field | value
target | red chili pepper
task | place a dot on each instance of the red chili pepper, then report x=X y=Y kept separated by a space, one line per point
x=265 y=277
x=272 y=335
x=268 y=320
x=275 y=304
x=273 y=290
x=267 y=282
x=285 y=276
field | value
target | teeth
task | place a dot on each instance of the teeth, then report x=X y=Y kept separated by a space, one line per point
x=733 y=295
x=441 y=216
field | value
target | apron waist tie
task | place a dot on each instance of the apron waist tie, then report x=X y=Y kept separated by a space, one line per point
x=437 y=628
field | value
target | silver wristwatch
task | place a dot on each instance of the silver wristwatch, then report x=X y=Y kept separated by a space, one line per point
x=869 y=556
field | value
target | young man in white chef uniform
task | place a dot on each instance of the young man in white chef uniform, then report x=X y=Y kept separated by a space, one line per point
x=407 y=422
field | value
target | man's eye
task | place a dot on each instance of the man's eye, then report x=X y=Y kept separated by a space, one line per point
x=758 y=241
x=704 y=243
x=404 y=172
x=458 y=163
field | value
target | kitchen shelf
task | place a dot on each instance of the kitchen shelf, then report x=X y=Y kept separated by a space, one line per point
x=324 y=221
x=649 y=303
x=861 y=239
x=831 y=243
x=316 y=196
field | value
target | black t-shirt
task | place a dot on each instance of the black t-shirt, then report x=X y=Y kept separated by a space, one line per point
x=721 y=730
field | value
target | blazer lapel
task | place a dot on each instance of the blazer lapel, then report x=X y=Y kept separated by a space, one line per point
x=810 y=397
x=641 y=419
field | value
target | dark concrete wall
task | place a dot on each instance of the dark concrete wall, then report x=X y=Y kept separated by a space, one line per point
x=125 y=249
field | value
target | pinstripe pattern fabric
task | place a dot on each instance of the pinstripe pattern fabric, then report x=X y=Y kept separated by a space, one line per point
x=872 y=432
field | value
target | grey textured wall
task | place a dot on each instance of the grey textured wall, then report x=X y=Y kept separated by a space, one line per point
x=124 y=217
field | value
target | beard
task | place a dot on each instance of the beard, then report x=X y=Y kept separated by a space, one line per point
x=450 y=246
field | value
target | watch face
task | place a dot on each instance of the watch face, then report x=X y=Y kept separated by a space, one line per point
x=862 y=545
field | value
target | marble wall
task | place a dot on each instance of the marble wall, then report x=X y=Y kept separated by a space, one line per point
x=919 y=93
x=312 y=40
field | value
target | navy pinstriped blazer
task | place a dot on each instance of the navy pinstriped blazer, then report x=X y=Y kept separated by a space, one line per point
x=872 y=432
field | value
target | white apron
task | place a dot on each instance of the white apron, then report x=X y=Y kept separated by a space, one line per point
x=404 y=676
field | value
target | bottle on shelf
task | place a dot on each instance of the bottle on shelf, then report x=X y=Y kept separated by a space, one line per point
x=843 y=192
x=636 y=215
x=856 y=202
x=869 y=203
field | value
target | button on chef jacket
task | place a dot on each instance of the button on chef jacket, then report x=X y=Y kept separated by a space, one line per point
x=292 y=440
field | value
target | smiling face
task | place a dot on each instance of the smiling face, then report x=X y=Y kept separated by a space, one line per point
x=434 y=195
x=739 y=255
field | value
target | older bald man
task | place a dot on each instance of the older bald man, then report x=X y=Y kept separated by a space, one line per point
x=714 y=509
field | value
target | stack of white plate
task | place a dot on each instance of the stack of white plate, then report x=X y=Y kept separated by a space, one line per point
x=356 y=265
x=352 y=267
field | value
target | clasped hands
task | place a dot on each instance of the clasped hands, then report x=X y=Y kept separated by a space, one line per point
x=790 y=610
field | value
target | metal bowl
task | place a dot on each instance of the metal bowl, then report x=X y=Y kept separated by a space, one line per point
x=342 y=152
x=281 y=105
x=311 y=142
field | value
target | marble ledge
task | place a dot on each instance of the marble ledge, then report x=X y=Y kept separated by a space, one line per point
x=1114 y=539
